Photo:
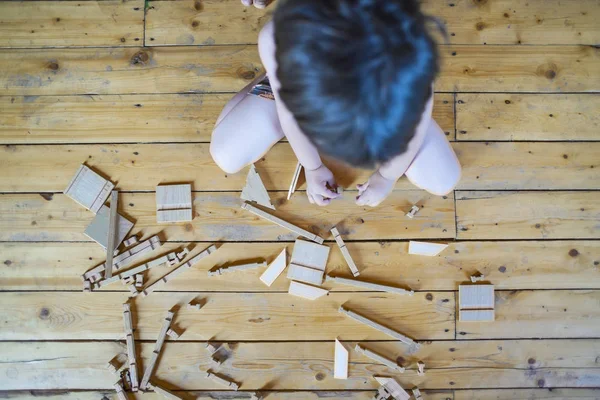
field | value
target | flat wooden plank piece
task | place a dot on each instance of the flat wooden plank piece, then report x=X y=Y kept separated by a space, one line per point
x=341 y=361
x=305 y=274
x=89 y=189
x=476 y=315
x=311 y=255
x=275 y=268
x=476 y=297
x=113 y=231
x=98 y=229
x=306 y=291
x=255 y=189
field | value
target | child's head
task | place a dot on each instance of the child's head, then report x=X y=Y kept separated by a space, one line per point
x=356 y=74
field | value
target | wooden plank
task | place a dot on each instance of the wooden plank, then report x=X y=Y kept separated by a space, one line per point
x=128 y=70
x=34 y=217
x=527 y=215
x=35 y=24
x=509 y=265
x=133 y=118
x=513 y=22
x=542 y=314
x=278 y=316
x=230 y=68
x=529 y=394
x=451 y=364
x=489 y=116
x=203 y=23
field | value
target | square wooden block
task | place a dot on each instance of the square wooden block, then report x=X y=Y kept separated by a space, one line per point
x=97 y=230
x=475 y=297
x=310 y=255
x=174 y=203
x=89 y=189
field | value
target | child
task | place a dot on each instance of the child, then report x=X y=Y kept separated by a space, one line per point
x=349 y=78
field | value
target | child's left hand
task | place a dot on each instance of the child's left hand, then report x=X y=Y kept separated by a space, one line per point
x=374 y=191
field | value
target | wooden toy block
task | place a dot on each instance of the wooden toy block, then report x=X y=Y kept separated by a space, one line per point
x=379 y=327
x=417 y=394
x=413 y=211
x=392 y=388
x=212 y=348
x=275 y=268
x=95 y=278
x=221 y=381
x=368 y=285
x=476 y=315
x=306 y=291
x=128 y=280
x=120 y=392
x=173 y=334
x=477 y=278
x=174 y=203
x=340 y=367
x=194 y=304
x=294 y=183
x=425 y=249
x=139 y=280
x=180 y=269
x=256 y=396
x=87 y=286
x=130 y=241
x=305 y=274
x=157 y=349
x=116 y=364
x=98 y=229
x=163 y=392
x=472 y=297
x=183 y=254
x=127 y=321
x=112 y=233
x=310 y=255
x=255 y=189
x=284 y=224
x=89 y=189
x=420 y=368
x=237 y=268
x=345 y=252
x=379 y=358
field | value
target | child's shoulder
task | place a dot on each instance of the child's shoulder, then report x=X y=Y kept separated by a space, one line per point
x=266 y=47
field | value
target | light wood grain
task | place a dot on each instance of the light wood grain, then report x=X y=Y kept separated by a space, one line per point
x=513 y=22
x=521 y=314
x=248 y=316
x=527 y=215
x=34 y=24
x=128 y=70
x=218 y=217
x=488 y=116
x=309 y=366
x=132 y=118
x=528 y=394
x=509 y=265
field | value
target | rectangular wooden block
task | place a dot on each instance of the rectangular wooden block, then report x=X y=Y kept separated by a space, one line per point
x=89 y=189
x=306 y=291
x=340 y=367
x=310 y=254
x=305 y=274
x=173 y=197
x=475 y=297
x=345 y=252
x=476 y=315
x=97 y=230
x=183 y=215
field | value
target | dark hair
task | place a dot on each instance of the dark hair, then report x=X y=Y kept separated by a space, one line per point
x=356 y=74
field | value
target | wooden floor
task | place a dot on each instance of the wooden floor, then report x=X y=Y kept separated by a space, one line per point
x=133 y=88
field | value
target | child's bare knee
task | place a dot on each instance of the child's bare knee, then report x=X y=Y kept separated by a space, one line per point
x=224 y=158
x=451 y=179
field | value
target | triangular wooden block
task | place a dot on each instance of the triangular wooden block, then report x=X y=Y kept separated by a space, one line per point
x=275 y=268
x=255 y=189
x=425 y=248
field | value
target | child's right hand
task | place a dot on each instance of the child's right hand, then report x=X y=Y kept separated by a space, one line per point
x=317 y=181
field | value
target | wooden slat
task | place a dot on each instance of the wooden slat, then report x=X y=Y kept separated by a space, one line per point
x=234 y=316
x=203 y=23
x=513 y=22
x=509 y=265
x=537 y=314
x=293 y=365
x=485 y=166
x=219 y=217
x=229 y=68
x=128 y=70
x=528 y=215
x=528 y=394
x=35 y=24
x=529 y=165
x=527 y=117
x=132 y=118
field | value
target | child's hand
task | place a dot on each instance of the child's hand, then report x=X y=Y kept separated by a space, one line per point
x=374 y=191
x=317 y=181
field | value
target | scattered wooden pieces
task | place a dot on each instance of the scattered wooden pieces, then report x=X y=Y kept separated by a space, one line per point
x=130 y=241
x=127 y=320
x=221 y=381
x=413 y=211
x=306 y=291
x=379 y=327
x=183 y=267
x=345 y=252
x=294 y=183
x=112 y=233
x=476 y=303
x=236 y=268
x=425 y=249
x=379 y=358
x=89 y=189
x=340 y=368
x=174 y=203
x=276 y=220
x=157 y=349
x=368 y=285
x=477 y=278
x=390 y=388
x=255 y=189
x=476 y=315
x=305 y=274
x=173 y=334
x=163 y=392
x=420 y=368
x=310 y=255
x=120 y=392
x=417 y=393
x=275 y=268
x=98 y=229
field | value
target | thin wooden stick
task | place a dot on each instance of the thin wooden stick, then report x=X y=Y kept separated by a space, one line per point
x=379 y=358
x=113 y=227
x=157 y=349
x=127 y=320
x=368 y=285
